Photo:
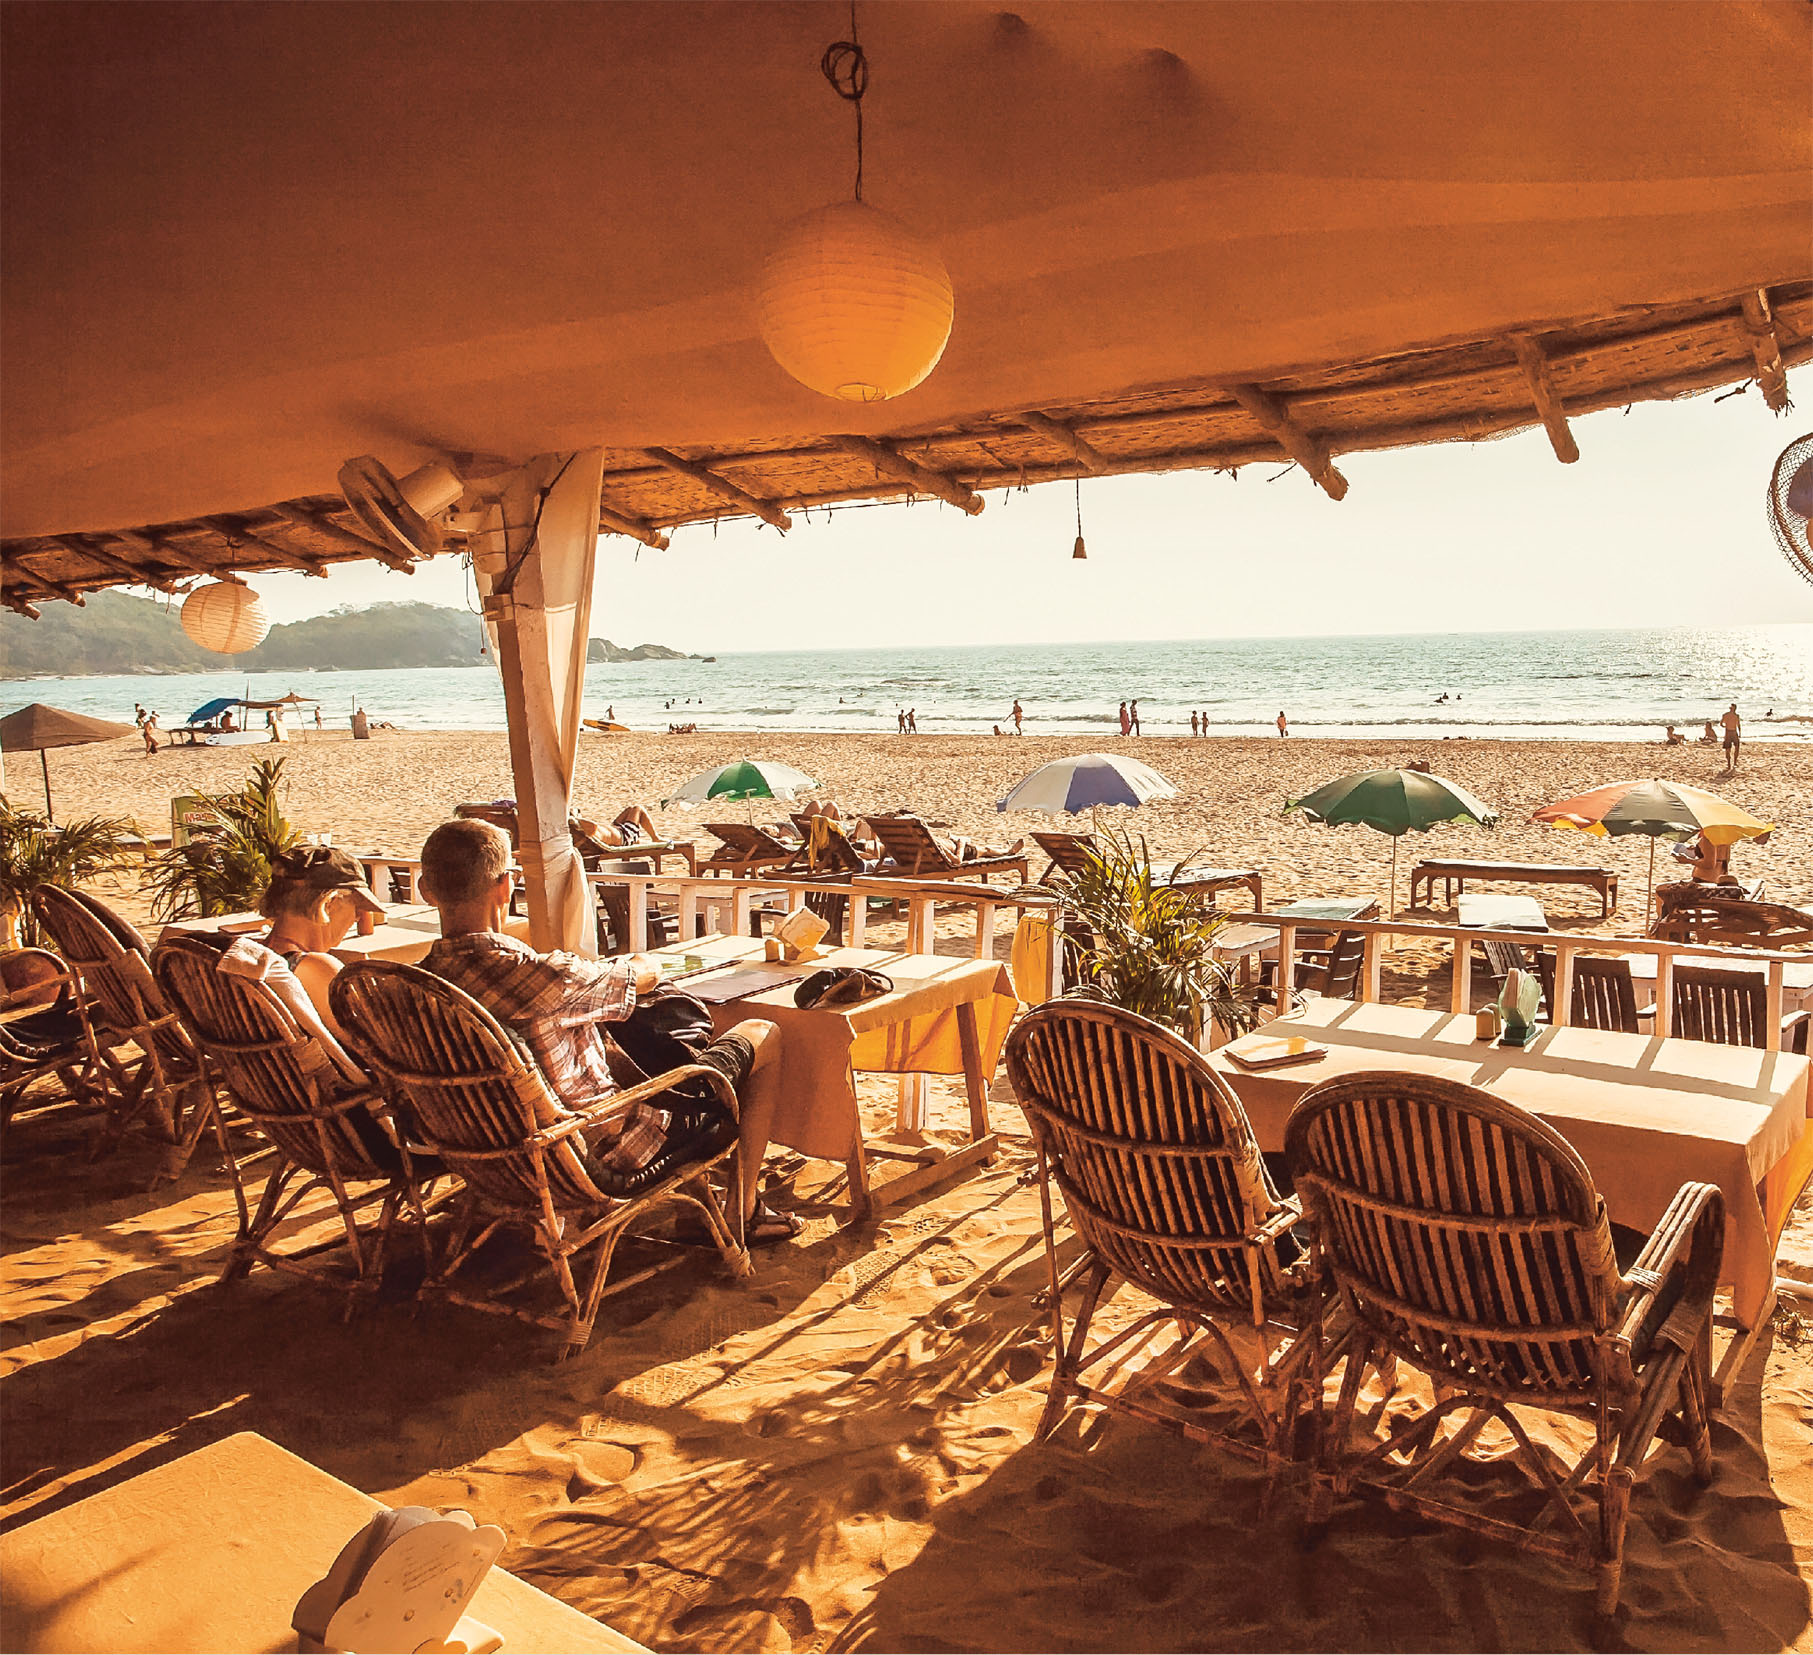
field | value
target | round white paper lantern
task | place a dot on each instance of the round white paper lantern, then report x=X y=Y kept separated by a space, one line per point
x=225 y=617
x=854 y=305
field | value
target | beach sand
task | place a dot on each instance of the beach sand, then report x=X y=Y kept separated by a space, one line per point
x=838 y=1453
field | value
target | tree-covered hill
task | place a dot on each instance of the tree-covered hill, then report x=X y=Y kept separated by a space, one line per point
x=120 y=634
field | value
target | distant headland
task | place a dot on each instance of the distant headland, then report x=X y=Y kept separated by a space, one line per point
x=118 y=634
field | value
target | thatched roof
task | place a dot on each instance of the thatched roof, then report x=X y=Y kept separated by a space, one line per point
x=1458 y=392
x=245 y=244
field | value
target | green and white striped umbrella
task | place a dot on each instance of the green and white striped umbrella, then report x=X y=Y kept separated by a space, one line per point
x=743 y=779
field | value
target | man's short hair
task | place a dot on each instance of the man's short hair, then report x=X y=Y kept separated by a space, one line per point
x=463 y=860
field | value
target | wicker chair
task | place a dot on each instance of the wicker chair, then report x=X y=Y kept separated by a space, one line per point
x=1162 y=1182
x=47 y=1040
x=1729 y=1008
x=1463 y=1236
x=323 y=1124
x=140 y=1054
x=1604 y=994
x=474 y=1098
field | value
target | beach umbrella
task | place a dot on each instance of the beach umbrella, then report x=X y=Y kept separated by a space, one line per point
x=38 y=728
x=743 y=779
x=1087 y=781
x=1658 y=810
x=1394 y=802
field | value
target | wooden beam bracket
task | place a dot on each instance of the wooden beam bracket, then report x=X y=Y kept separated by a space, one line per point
x=1307 y=450
x=1549 y=406
x=1766 y=347
x=767 y=510
x=619 y=522
x=1085 y=454
x=271 y=548
x=893 y=463
x=365 y=547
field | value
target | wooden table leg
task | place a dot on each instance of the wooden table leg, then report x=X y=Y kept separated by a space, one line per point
x=856 y=1163
x=975 y=1083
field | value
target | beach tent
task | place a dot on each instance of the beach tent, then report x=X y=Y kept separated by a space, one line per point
x=209 y=710
x=39 y=728
x=1180 y=236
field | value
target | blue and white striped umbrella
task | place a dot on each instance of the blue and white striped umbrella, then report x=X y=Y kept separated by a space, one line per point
x=1087 y=781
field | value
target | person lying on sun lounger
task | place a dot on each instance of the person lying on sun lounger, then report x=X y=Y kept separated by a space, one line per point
x=632 y=826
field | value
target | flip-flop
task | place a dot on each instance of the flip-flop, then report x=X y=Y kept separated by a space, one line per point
x=768 y=1227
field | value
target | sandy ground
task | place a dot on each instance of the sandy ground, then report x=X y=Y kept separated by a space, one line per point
x=838 y=1454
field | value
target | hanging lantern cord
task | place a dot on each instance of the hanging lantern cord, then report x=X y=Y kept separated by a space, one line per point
x=1079 y=508
x=846 y=66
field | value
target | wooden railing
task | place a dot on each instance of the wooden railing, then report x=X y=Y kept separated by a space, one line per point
x=1566 y=947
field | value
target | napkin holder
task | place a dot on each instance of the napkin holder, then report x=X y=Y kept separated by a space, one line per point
x=403 y=1583
x=796 y=936
x=1517 y=1003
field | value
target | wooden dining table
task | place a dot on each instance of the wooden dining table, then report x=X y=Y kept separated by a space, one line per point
x=946 y=1015
x=1646 y=1114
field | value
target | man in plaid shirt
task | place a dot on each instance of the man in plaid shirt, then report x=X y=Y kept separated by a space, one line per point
x=558 y=1005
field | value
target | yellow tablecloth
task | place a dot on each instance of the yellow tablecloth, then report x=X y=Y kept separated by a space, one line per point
x=911 y=1031
x=211 y=1551
x=1646 y=1115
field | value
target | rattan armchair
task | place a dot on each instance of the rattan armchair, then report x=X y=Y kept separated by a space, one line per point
x=1462 y=1236
x=468 y=1092
x=326 y=1125
x=141 y=1056
x=1161 y=1180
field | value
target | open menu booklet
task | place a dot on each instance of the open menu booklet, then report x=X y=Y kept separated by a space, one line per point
x=1273 y=1051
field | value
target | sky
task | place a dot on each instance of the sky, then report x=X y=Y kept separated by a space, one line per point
x=1661 y=522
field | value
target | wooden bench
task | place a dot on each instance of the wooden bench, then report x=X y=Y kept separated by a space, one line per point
x=1455 y=874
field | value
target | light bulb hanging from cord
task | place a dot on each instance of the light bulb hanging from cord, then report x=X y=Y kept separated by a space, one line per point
x=852 y=304
x=1081 y=551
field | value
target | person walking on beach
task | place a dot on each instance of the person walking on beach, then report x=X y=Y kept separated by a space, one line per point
x=138 y=714
x=148 y=728
x=1193 y=723
x=1126 y=722
x=1284 y=728
x=900 y=720
x=1734 y=735
x=1017 y=715
x=1133 y=713
x=912 y=721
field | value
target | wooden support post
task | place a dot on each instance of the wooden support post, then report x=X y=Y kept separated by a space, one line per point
x=767 y=510
x=1665 y=995
x=1765 y=346
x=1772 y=1008
x=1287 y=967
x=975 y=1082
x=1085 y=455
x=1460 y=999
x=326 y=527
x=890 y=462
x=985 y=930
x=1562 y=1010
x=1547 y=399
x=859 y=918
x=535 y=578
x=1370 y=968
x=617 y=522
x=1308 y=451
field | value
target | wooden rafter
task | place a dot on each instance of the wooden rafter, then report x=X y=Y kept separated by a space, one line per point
x=1549 y=406
x=618 y=522
x=327 y=527
x=1766 y=348
x=236 y=530
x=43 y=583
x=767 y=510
x=19 y=606
x=1089 y=458
x=129 y=571
x=1307 y=450
x=891 y=462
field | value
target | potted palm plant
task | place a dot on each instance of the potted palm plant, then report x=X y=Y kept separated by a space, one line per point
x=226 y=864
x=1154 y=941
x=35 y=851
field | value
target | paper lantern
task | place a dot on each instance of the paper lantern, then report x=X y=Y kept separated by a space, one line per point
x=854 y=305
x=225 y=617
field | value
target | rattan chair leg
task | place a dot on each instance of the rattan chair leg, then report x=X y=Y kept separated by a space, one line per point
x=1069 y=1356
x=579 y=1329
x=1614 y=1508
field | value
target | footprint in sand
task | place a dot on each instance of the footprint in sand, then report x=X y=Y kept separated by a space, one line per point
x=598 y=1465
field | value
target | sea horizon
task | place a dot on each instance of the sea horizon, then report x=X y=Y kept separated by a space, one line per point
x=1572 y=683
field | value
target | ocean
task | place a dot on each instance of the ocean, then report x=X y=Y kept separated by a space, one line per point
x=1599 y=685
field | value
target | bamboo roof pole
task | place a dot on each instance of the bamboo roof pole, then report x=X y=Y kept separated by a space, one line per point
x=890 y=461
x=325 y=526
x=120 y=566
x=238 y=531
x=1765 y=346
x=1307 y=450
x=1547 y=399
x=1080 y=450
x=618 y=522
x=769 y=513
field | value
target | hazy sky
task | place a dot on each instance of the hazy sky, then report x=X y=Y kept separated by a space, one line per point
x=1661 y=522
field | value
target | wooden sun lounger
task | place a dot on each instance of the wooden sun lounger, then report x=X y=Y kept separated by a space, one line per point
x=744 y=849
x=909 y=851
x=1069 y=853
x=1455 y=872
